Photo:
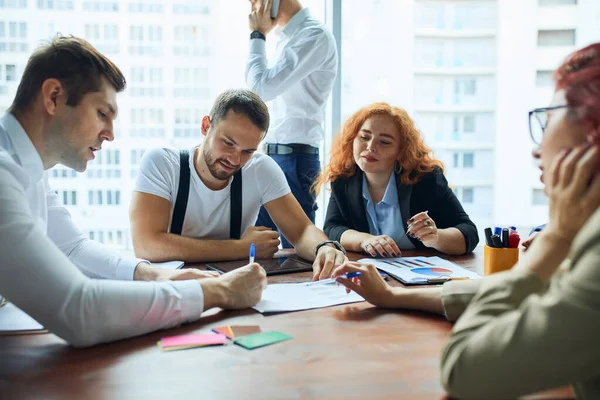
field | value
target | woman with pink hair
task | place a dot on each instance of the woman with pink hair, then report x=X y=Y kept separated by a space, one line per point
x=536 y=326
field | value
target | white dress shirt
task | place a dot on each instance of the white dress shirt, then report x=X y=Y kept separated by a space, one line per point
x=299 y=82
x=40 y=250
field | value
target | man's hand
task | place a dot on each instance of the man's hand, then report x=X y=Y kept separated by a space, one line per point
x=147 y=272
x=265 y=239
x=370 y=285
x=382 y=245
x=327 y=259
x=238 y=289
x=260 y=17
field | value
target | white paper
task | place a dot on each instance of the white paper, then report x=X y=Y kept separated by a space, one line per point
x=419 y=269
x=12 y=319
x=304 y=296
x=169 y=264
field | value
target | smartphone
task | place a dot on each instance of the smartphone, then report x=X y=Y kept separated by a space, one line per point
x=274 y=9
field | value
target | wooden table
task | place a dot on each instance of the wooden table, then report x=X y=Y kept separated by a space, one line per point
x=352 y=351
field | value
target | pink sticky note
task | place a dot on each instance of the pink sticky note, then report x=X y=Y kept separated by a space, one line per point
x=209 y=339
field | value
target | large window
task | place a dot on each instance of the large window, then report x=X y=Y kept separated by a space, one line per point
x=147 y=123
x=448 y=63
x=13 y=36
x=65 y=5
x=564 y=37
x=13 y=3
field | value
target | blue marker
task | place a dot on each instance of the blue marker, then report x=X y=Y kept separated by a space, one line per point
x=252 y=252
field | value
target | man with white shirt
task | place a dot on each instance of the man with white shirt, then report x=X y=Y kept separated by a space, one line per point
x=299 y=83
x=62 y=113
x=201 y=205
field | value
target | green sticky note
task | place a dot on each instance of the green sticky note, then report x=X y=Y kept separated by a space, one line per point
x=261 y=339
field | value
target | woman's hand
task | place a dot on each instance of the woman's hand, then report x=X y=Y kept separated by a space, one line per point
x=422 y=227
x=370 y=285
x=574 y=190
x=380 y=245
x=573 y=186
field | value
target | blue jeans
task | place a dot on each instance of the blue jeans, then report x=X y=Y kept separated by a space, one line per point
x=300 y=170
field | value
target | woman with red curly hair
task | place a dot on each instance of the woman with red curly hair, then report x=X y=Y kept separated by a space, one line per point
x=536 y=326
x=387 y=192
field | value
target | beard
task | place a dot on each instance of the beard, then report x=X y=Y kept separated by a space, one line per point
x=70 y=153
x=214 y=169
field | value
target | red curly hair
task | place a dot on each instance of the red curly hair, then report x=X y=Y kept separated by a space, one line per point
x=415 y=157
x=579 y=75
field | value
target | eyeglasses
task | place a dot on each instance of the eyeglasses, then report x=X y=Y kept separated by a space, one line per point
x=538 y=119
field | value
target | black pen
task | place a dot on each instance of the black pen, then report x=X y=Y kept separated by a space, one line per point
x=505 y=237
x=496 y=241
x=488 y=237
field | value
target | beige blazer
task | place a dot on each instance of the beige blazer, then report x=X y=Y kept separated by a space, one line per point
x=518 y=337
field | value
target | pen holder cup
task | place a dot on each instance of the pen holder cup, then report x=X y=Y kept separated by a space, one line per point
x=496 y=260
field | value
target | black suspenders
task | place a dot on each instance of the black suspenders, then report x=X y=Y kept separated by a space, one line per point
x=235 y=210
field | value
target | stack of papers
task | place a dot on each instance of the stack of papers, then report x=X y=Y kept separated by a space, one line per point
x=183 y=342
x=304 y=296
x=257 y=340
x=13 y=321
x=237 y=331
x=421 y=270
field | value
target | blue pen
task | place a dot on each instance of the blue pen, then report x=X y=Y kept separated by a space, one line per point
x=252 y=252
x=349 y=275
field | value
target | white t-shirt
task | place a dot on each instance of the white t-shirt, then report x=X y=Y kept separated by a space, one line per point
x=208 y=214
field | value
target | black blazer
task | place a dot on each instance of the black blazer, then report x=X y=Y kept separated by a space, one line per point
x=346 y=208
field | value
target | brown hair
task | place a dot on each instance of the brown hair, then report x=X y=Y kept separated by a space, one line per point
x=241 y=101
x=415 y=157
x=74 y=62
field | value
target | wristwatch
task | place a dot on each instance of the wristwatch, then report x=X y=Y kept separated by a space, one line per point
x=335 y=243
x=258 y=35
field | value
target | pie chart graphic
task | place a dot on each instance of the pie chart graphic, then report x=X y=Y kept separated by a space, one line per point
x=432 y=271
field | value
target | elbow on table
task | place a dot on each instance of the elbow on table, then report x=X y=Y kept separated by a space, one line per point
x=145 y=247
x=73 y=332
x=458 y=384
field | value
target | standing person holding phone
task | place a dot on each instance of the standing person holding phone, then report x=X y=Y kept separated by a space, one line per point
x=299 y=83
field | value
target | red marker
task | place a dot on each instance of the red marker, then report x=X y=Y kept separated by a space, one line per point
x=513 y=240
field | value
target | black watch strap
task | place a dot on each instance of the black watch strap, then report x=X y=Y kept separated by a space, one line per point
x=257 y=35
x=335 y=243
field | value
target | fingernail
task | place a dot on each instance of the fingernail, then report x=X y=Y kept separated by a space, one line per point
x=339 y=280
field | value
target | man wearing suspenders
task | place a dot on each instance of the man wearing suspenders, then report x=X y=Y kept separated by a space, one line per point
x=201 y=205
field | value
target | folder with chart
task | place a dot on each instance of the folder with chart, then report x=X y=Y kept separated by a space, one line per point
x=421 y=270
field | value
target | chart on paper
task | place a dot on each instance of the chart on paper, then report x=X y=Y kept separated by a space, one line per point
x=420 y=270
x=304 y=296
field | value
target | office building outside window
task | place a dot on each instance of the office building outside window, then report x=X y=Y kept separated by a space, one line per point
x=456 y=67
